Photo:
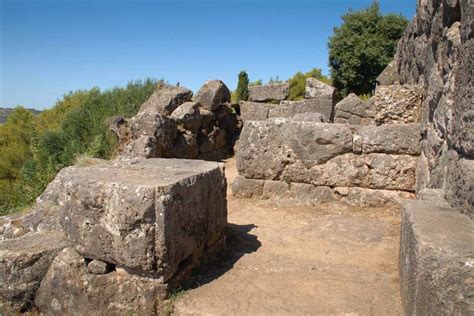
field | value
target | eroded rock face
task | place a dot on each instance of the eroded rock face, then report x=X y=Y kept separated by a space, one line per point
x=188 y=115
x=351 y=110
x=148 y=216
x=268 y=93
x=24 y=262
x=436 y=53
x=389 y=75
x=397 y=104
x=69 y=289
x=213 y=94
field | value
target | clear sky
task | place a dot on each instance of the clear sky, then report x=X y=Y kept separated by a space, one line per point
x=50 y=47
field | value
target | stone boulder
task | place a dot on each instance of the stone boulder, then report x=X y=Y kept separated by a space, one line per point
x=352 y=110
x=318 y=89
x=213 y=94
x=188 y=115
x=389 y=75
x=69 y=289
x=270 y=92
x=397 y=104
x=436 y=260
x=24 y=262
x=166 y=99
x=185 y=146
x=150 y=216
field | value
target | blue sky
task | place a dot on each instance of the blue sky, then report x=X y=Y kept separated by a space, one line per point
x=50 y=47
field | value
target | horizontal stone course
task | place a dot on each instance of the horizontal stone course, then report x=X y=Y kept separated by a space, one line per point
x=330 y=154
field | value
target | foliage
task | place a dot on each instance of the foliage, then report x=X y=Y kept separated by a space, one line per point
x=242 y=91
x=298 y=83
x=34 y=148
x=362 y=47
x=275 y=80
x=258 y=82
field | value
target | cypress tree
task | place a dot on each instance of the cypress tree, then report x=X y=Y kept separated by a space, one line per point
x=242 y=91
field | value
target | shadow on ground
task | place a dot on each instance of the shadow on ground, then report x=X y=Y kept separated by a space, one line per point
x=239 y=243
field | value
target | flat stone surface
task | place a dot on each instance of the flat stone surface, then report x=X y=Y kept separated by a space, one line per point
x=254 y=111
x=146 y=215
x=295 y=260
x=436 y=260
x=24 y=262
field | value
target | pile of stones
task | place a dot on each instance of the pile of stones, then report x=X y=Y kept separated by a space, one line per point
x=173 y=124
x=118 y=238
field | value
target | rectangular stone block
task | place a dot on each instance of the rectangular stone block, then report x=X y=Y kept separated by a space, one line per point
x=291 y=108
x=147 y=215
x=436 y=260
x=271 y=92
x=391 y=139
x=253 y=111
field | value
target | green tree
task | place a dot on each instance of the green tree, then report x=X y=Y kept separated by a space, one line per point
x=242 y=91
x=362 y=47
x=298 y=82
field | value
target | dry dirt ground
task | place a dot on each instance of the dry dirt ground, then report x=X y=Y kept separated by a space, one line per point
x=292 y=260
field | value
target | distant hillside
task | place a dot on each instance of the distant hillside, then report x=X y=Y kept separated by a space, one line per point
x=5 y=112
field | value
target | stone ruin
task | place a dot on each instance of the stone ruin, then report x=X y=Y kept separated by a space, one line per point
x=117 y=237
x=170 y=124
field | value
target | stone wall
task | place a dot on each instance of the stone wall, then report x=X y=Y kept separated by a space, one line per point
x=330 y=161
x=436 y=53
x=270 y=101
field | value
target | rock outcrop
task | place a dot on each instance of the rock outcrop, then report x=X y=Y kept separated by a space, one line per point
x=269 y=93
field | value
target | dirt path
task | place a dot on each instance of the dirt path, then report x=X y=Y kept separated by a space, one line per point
x=287 y=260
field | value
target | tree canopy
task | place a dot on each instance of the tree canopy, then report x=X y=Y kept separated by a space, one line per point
x=362 y=47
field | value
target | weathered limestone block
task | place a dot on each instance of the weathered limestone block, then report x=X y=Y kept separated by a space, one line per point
x=391 y=139
x=374 y=171
x=299 y=193
x=24 y=262
x=389 y=75
x=253 y=111
x=270 y=92
x=166 y=99
x=212 y=94
x=68 y=289
x=291 y=108
x=436 y=260
x=99 y=267
x=363 y=197
x=397 y=104
x=310 y=117
x=318 y=89
x=460 y=183
x=188 y=116
x=146 y=215
x=185 y=146
x=247 y=188
x=352 y=110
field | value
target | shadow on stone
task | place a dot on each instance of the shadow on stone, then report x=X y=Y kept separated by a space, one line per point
x=239 y=243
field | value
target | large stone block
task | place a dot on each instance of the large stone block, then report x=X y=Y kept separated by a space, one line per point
x=352 y=110
x=213 y=94
x=397 y=104
x=166 y=99
x=436 y=260
x=268 y=93
x=146 y=215
x=389 y=75
x=68 y=289
x=391 y=139
x=24 y=262
x=291 y=108
x=253 y=111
